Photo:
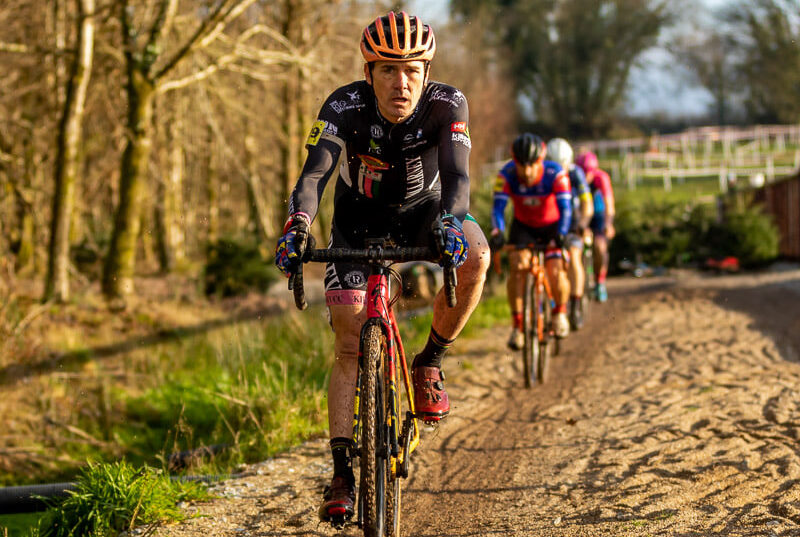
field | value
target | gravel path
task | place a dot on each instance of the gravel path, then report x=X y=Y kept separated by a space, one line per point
x=674 y=412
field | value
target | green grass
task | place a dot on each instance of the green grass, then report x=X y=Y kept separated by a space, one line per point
x=19 y=525
x=115 y=497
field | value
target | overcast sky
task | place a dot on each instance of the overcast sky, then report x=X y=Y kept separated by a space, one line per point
x=656 y=86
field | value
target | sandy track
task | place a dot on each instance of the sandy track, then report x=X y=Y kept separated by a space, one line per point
x=675 y=412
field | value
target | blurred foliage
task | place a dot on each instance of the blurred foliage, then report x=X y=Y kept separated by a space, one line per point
x=673 y=233
x=236 y=267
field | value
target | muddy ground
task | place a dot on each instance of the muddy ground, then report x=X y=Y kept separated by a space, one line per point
x=674 y=412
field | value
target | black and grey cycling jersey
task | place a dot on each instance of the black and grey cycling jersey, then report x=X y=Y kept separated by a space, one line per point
x=386 y=164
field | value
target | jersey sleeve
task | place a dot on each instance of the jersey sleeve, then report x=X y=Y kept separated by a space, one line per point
x=602 y=182
x=579 y=185
x=454 y=148
x=562 y=189
x=324 y=145
x=501 y=195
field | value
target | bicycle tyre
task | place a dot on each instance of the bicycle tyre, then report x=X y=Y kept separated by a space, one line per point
x=544 y=309
x=530 y=346
x=372 y=479
x=393 y=495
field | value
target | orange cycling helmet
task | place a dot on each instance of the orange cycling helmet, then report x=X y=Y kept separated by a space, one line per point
x=397 y=37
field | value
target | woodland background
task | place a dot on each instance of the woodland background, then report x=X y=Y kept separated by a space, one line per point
x=142 y=136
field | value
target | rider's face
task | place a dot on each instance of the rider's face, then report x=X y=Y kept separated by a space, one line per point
x=529 y=174
x=398 y=87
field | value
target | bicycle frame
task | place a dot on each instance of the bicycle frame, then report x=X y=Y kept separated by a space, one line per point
x=536 y=270
x=379 y=311
x=538 y=273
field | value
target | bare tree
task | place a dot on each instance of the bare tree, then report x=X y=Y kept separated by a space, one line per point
x=571 y=59
x=67 y=158
x=144 y=78
x=767 y=35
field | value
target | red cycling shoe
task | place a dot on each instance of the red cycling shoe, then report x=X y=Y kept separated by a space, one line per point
x=337 y=501
x=430 y=399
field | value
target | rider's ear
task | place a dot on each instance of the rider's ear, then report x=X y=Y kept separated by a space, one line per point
x=368 y=73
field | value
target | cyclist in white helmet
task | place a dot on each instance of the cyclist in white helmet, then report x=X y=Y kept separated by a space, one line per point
x=559 y=150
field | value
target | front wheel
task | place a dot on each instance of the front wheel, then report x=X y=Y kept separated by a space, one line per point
x=372 y=481
x=544 y=333
x=530 y=346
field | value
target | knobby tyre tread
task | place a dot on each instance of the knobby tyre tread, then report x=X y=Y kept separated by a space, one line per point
x=548 y=340
x=392 y=494
x=530 y=346
x=372 y=486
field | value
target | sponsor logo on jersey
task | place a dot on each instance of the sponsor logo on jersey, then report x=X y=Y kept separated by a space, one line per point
x=453 y=98
x=370 y=175
x=462 y=138
x=376 y=131
x=373 y=163
x=341 y=106
x=415 y=176
x=374 y=147
x=459 y=126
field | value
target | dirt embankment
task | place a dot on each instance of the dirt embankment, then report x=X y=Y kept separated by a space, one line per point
x=674 y=412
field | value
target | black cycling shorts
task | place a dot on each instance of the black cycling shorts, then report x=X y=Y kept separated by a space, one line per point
x=521 y=234
x=355 y=219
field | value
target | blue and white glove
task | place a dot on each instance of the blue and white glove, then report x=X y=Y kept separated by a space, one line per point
x=456 y=246
x=292 y=243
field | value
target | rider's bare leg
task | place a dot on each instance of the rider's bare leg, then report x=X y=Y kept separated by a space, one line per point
x=575 y=270
x=448 y=322
x=519 y=262
x=600 y=258
x=558 y=280
x=346 y=321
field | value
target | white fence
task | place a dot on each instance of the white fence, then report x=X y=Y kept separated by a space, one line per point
x=726 y=154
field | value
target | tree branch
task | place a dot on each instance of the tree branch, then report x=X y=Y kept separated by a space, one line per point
x=206 y=33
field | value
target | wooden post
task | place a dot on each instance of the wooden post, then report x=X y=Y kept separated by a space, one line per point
x=770 y=169
x=723 y=179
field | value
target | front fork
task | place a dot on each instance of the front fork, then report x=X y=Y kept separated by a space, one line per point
x=402 y=442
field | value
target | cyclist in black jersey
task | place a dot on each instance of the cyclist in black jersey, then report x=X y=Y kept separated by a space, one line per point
x=403 y=143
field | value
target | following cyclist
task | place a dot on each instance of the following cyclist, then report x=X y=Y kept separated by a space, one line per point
x=404 y=144
x=602 y=224
x=542 y=199
x=559 y=150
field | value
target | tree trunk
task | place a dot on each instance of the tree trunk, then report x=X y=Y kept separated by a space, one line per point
x=261 y=214
x=121 y=258
x=67 y=160
x=212 y=189
x=169 y=204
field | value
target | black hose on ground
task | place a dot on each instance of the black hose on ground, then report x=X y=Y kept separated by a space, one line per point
x=29 y=498
x=34 y=498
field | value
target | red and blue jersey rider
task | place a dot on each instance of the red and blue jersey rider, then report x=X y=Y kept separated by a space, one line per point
x=541 y=194
x=546 y=202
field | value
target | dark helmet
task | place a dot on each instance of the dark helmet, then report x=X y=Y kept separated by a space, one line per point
x=528 y=148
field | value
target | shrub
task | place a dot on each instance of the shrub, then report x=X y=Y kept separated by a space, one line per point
x=748 y=233
x=235 y=267
x=673 y=234
x=110 y=498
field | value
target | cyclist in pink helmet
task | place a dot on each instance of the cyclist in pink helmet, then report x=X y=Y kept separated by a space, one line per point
x=602 y=224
